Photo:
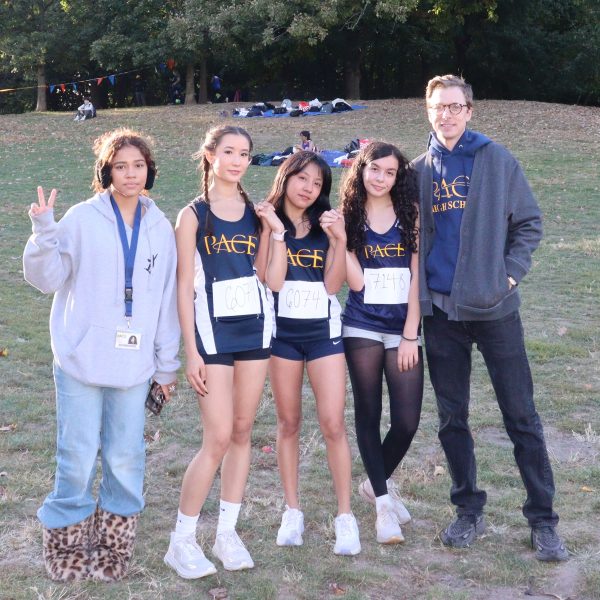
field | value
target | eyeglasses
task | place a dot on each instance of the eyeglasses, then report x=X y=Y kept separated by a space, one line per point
x=455 y=108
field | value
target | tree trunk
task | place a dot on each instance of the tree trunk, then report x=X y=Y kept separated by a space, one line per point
x=352 y=75
x=41 y=90
x=190 y=91
x=120 y=91
x=202 y=84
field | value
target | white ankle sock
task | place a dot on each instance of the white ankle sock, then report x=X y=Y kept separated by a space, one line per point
x=185 y=525
x=382 y=501
x=228 y=516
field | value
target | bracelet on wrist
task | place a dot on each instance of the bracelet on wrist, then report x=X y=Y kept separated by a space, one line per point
x=279 y=237
x=406 y=339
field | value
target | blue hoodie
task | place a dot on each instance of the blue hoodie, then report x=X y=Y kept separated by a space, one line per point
x=451 y=177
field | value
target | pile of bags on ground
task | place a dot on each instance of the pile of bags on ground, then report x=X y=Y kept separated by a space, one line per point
x=261 y=109
x=334 y=158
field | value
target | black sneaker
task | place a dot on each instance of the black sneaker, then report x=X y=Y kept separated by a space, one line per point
x=547 y=544
x=463 y=530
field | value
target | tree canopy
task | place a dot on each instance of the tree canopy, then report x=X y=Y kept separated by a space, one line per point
x=543 y=49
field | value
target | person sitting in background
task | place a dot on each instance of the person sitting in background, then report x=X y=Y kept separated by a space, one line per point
x=86 y=110
x=305 y=142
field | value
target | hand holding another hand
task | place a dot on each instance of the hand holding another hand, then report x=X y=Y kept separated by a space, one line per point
x=266 y=213
x=332 y=223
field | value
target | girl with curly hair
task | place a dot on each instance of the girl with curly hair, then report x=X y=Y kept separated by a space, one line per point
x=381 y=320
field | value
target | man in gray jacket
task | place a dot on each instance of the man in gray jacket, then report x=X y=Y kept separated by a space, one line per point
x=480 y=224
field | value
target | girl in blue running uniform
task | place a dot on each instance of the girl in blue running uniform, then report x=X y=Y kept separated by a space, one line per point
x=381 y=320
x=226 y=327
x=306 y=268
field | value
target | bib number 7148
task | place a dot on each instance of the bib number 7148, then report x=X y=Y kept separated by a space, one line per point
x=388 y=285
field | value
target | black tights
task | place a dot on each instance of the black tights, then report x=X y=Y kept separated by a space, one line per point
x=368 y=361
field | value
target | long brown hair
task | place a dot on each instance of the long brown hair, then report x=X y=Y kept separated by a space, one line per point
x=292 y=166
x=353 y=196
x=211 y=141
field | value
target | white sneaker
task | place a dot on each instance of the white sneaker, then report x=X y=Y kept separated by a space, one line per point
x=347 y=541
x=388 y=528
x=230 y=550
x=186 y=557
x=399 y=508
x=365 y=491
x=292 y=528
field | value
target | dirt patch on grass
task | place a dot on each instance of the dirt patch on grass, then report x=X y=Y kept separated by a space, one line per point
x=562 y=447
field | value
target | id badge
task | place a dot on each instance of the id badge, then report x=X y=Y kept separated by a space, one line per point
x=303 y=300
x=236 y=297
x=388 y=285
x=128 y=339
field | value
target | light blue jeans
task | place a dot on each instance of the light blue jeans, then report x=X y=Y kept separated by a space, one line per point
x=90 y=418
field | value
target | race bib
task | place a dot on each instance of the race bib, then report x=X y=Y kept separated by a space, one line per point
x=387 y=285
x=236 y=297
x=303 y=300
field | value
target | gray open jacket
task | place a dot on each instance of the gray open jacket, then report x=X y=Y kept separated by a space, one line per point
x=500 y=229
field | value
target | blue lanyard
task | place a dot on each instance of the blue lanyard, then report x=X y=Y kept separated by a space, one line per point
x=128 y=251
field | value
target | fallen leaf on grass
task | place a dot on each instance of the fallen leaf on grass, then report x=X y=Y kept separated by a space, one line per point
x=336 y=589
x=10 y=427
x=4 y=352
x=585 y=488
x=562 y=331
x=152 y=438
x=438 y=470
x=219 y=593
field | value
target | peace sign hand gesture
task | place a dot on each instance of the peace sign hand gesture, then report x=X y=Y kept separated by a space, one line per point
x=41 y=208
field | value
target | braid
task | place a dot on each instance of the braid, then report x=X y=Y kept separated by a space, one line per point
x=245 y=196
x=249 y=204
x=205 y=179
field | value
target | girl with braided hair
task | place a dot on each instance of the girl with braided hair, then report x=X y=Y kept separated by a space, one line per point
x=381 y=320
x=226 y=327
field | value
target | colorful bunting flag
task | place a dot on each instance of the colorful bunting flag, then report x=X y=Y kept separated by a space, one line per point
x=112 y=78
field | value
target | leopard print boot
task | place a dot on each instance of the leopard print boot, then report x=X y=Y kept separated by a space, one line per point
x=113 y=545
x=67 y=551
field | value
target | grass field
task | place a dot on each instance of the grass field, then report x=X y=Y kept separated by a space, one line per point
x=558 y=147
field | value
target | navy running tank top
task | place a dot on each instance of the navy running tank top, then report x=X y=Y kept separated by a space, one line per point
x=303 y=310
x=382 y=304
x=231 y=308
